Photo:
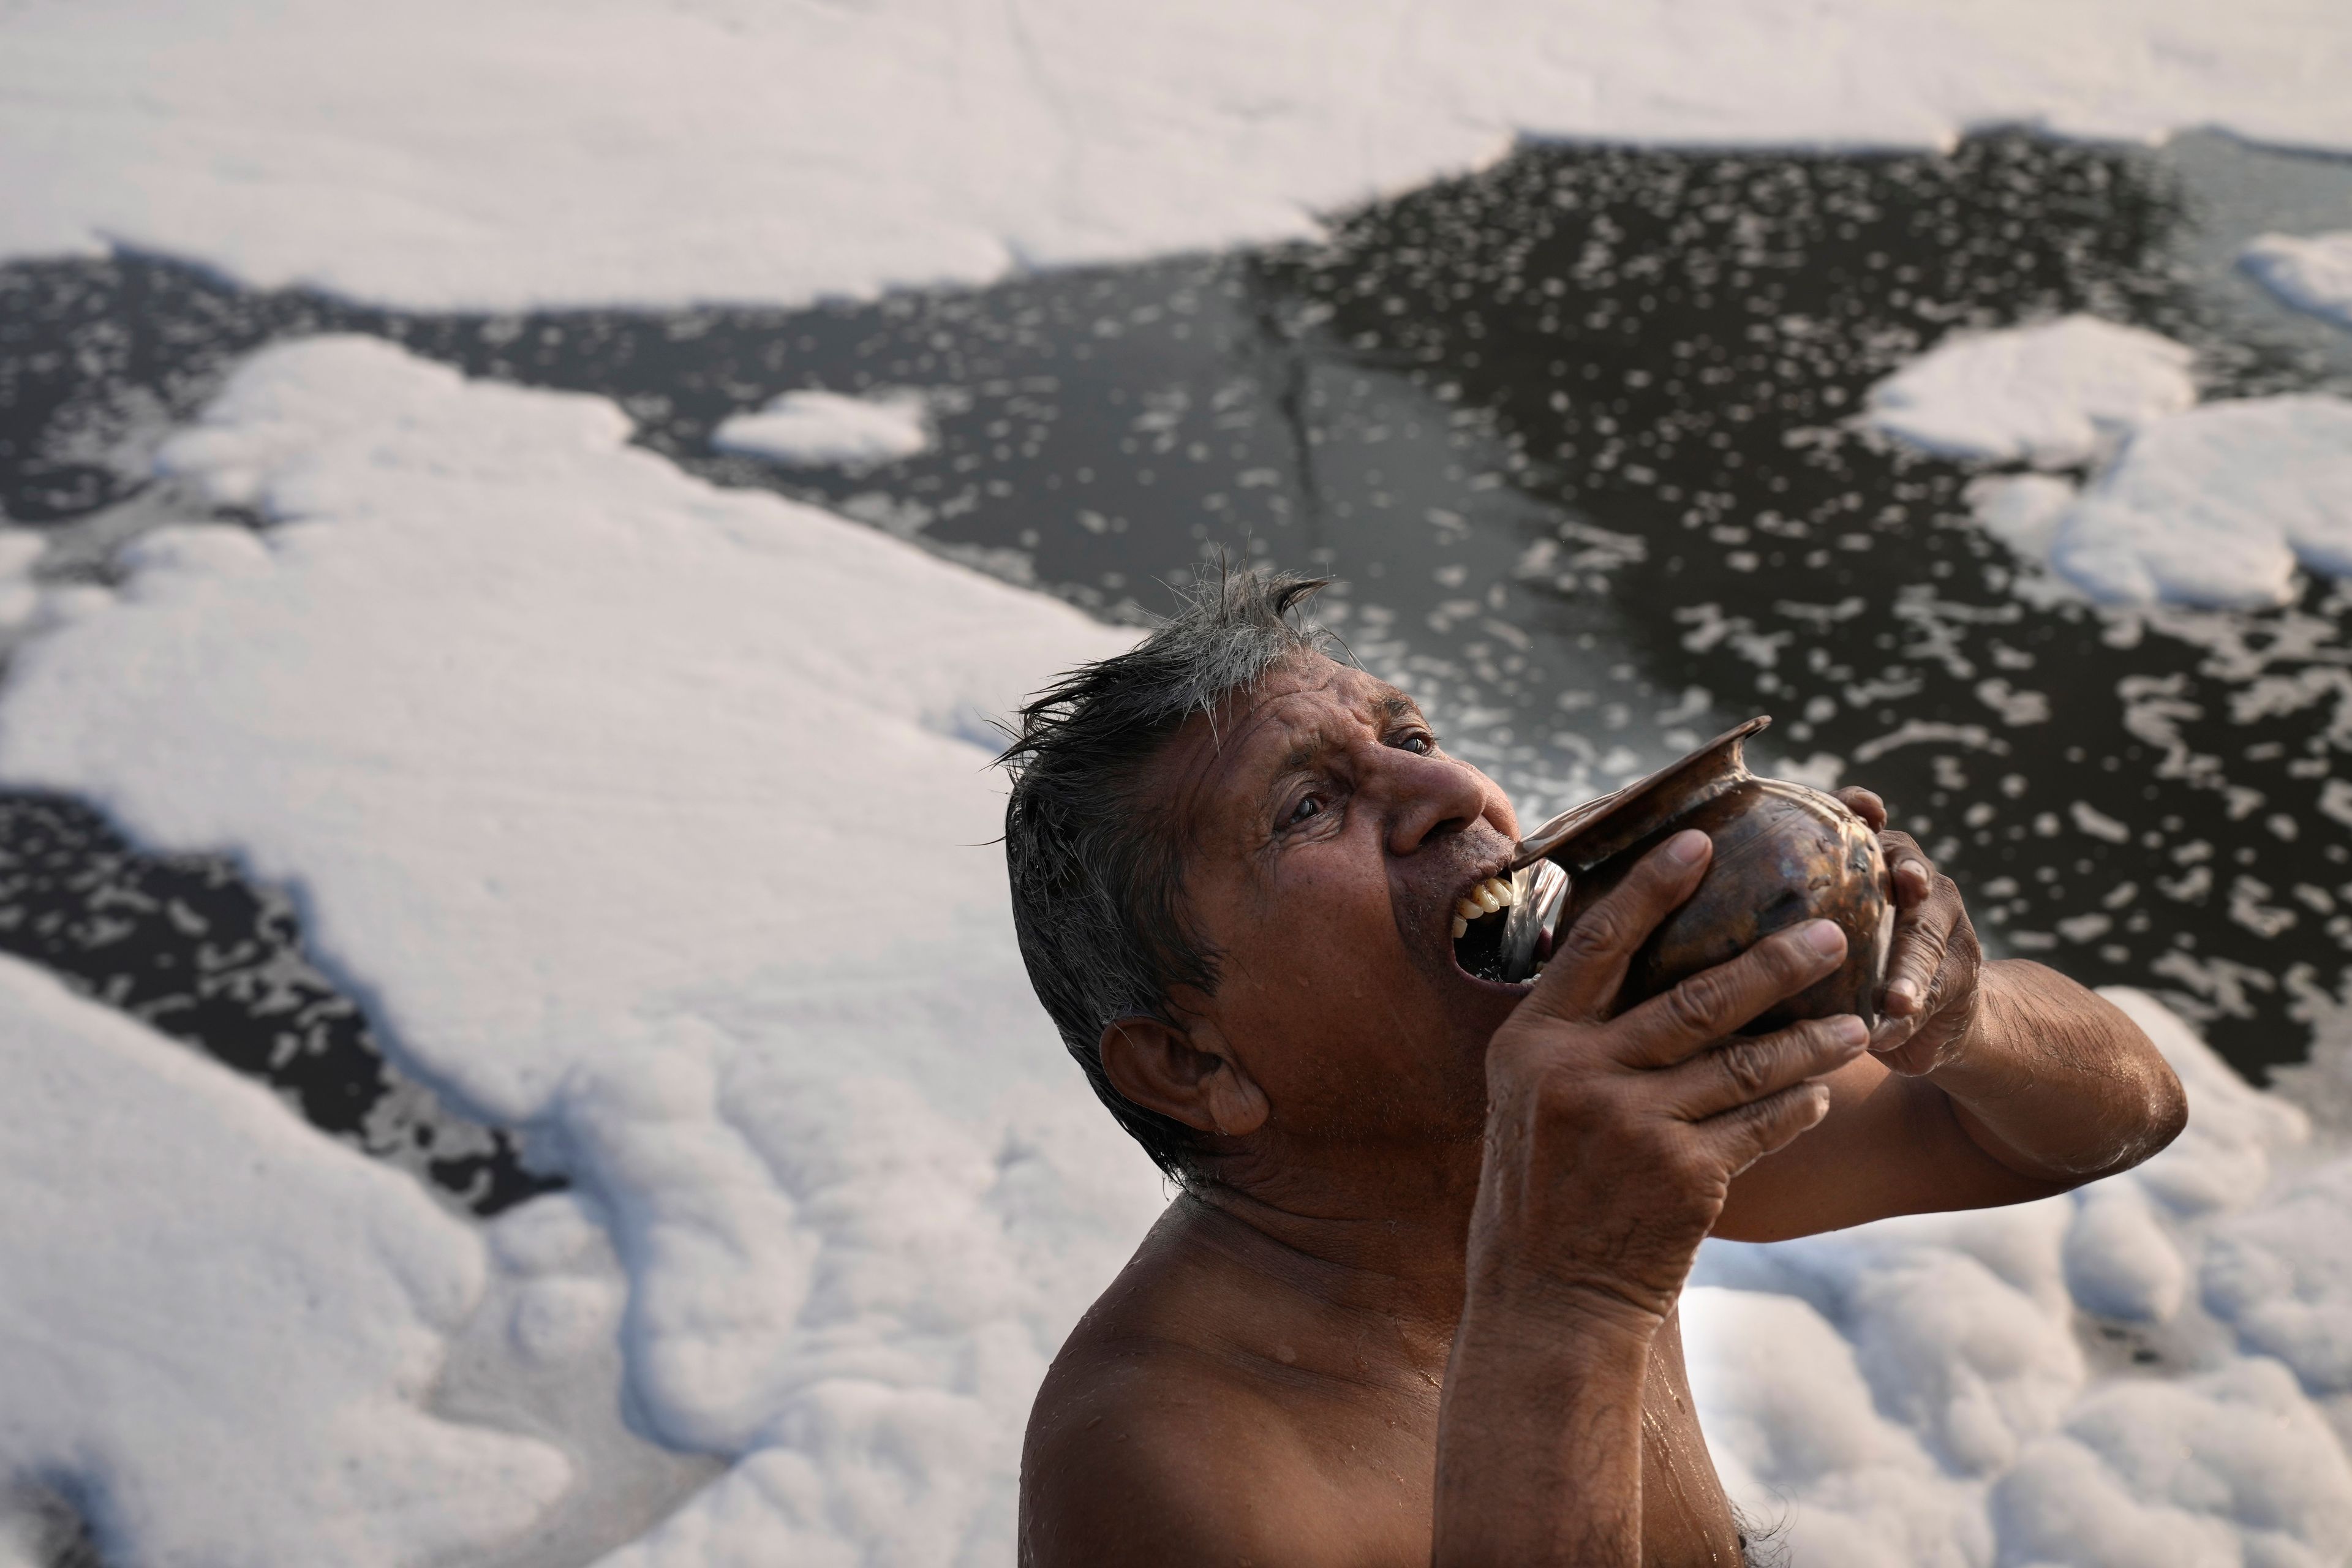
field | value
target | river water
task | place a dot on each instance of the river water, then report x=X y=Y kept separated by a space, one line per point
x=1577 y=436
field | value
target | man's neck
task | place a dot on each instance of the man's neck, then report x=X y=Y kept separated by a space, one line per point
x=1384 y=1238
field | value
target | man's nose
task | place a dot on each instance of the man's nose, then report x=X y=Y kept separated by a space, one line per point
x=1433 y=797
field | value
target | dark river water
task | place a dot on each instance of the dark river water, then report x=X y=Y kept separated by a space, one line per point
x=1577 y=436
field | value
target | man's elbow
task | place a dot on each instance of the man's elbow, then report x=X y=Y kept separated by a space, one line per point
x=2127 y=1104
x=2152 y=1106
x=2166 y=1109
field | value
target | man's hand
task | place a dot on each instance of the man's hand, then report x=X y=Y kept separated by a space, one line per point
x=1611 y=1144
x=1931 y=1001
x=1611 y=1141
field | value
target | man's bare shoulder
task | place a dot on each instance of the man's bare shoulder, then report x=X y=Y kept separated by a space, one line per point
x=1145 y=1452
x=1164 y=1434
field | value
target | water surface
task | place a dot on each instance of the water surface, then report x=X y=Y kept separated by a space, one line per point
x=1577 y=434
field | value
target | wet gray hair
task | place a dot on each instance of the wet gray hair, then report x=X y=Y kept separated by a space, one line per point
x=1098 y=867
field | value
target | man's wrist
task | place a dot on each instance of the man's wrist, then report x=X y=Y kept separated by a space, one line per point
x=1540 y=1310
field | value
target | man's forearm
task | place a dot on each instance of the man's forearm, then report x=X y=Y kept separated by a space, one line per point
x=1539 y=1439
x=2056 y=1083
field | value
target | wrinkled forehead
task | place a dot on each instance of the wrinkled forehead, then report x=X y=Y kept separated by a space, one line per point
x=1213 y=775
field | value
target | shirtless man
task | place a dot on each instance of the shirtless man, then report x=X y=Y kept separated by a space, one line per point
x=1415 y=1302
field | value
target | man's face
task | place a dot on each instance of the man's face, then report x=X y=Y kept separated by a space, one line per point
x=1328 y=839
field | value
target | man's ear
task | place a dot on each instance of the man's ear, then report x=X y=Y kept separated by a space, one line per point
x=1163 y=1069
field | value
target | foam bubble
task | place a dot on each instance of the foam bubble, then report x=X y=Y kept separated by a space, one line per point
x=2214 y=505
x=826 y=429
x=219 y=1327
x=2311 y=272
x=441 y=154
x=645 y=812
x=2056 y=394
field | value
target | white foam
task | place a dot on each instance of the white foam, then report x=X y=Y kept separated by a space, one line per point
x=440 y=153
x=2217 y=506
x=2283 y=1277
x=2234 y=1466
x=2311 y=272
x=659 y=815
x=218 y=1328
x=2023 y=511
x=826 y=429
x=2212 y=505
x=2055 y=394
x=2119 y=1262
x=1916 y=1392
x=1801 y=1442
x=686 y=867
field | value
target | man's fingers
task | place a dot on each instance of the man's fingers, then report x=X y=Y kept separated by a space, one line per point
x=1712 y=1003
x=1922 y=930
x=1912 y=873
x=1745 y=1134
x=1866 y=805
x=1741 y=1070
x=1923 y=934
x=1582 y=975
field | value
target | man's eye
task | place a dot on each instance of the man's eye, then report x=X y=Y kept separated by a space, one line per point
x=1309 y=805
x=1419 y=745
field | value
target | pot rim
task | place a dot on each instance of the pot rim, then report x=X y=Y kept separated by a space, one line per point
x=1548 y=841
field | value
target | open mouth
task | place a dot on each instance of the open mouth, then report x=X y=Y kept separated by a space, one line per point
x=1502 y=926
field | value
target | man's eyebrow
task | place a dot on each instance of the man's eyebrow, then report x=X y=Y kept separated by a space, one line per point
x=1391 y=707
x=1303 y=755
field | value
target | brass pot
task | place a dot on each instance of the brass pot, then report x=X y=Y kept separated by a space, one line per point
x=1783 y=853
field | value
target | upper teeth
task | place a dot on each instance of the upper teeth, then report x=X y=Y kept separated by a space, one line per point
x=1493 y=894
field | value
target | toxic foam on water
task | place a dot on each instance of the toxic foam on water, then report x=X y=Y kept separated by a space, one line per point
x=2141 y=1371
x=2055 y=394
x=826 y=429
x=604 y=784
x=442 y=153
x=2215 y=504
x=2311 y=272
x=218 y=1328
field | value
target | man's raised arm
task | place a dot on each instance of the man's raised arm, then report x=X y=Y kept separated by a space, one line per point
x=1987 y=1083
x=1611 y=1144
